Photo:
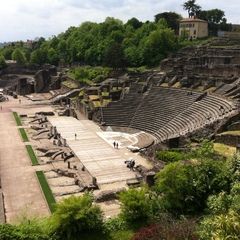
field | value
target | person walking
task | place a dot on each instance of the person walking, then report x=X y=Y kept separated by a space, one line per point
x=114 y=144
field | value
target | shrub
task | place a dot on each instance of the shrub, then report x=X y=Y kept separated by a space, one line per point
x=169 y=156
x=181 y=230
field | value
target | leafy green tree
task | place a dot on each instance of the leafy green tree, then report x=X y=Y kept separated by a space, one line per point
x=191 y=7
x=134 y=22
x=158 y=44
x=132 y=54
x=7 y=53
x=52 y=56
x=3 y=63
x=135 y=204
x=185 y=188
x=38 y=43
x=39 y=56
x=75 y=216
x=62 y=49
x=210 y=178
x=223 y=202
x=215 y=19
x=27 y=51
x=114 y=57
x=172 y=18
x=175 y=186
x=18 y=55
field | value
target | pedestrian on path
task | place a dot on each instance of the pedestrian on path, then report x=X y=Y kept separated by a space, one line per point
x=75 y=136
x=117 y=145
x=114 y=144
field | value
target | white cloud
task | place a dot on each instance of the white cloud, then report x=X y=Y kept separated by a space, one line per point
x=25 y=19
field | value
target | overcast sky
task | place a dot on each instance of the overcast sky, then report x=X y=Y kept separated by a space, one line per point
x=28 y=19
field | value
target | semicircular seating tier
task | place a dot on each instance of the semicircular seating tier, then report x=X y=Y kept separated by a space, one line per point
x=166 y=112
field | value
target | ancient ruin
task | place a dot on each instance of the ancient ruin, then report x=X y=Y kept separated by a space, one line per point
x=192 y=94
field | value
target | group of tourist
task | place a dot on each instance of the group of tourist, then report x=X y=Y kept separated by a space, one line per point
x=115 y=145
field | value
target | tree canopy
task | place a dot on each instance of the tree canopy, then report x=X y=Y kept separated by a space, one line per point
x=76 y=215
x=191 y=7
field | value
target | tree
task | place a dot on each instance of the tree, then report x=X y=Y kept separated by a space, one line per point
x=114 y=57
x=52 y=56
x=134 y=22
x=185 y=188
x=3 y=63
x=18 y=56
x=191 y=7
x=215 y=19
x=172 y=18
x=135 y=204
x=7 y=53
x=175 y=186
x=158 y=44
x=38 y=44
x=76 y=215
x=38 y=56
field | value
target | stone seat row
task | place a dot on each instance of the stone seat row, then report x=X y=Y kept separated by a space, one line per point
x=166 y=112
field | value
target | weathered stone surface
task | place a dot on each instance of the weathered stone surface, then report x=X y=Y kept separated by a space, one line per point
x=108 y=195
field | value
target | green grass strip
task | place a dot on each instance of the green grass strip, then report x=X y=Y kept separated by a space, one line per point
x=17 y=119
x=46 y=190
x=23 y=134
x=32 y=155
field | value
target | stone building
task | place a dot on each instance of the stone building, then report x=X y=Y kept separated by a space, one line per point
x=195 y=27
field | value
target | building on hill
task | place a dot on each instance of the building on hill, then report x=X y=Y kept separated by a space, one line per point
x=195 y=27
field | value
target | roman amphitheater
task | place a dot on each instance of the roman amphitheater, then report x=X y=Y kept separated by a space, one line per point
x=83 y=135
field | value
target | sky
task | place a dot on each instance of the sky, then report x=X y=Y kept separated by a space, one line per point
x=30 y=19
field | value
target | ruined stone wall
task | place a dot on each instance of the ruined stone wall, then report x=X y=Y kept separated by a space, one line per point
x=82 y=108
x=228 y=139
x=23 y=87
x=42 y=79
x=73 y=81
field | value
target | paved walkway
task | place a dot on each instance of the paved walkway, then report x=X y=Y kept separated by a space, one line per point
x=92 y=146
x=20 y=186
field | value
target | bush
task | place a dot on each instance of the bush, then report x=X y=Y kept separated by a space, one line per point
x=169 y=156
x=181 y=230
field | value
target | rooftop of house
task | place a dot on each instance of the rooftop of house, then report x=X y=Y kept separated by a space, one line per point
x=192 y=20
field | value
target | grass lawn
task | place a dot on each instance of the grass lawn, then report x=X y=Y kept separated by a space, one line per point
x=23 y=134
x=46 y=190
x=32 y=155
x=17 y=119
x=225 y=150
